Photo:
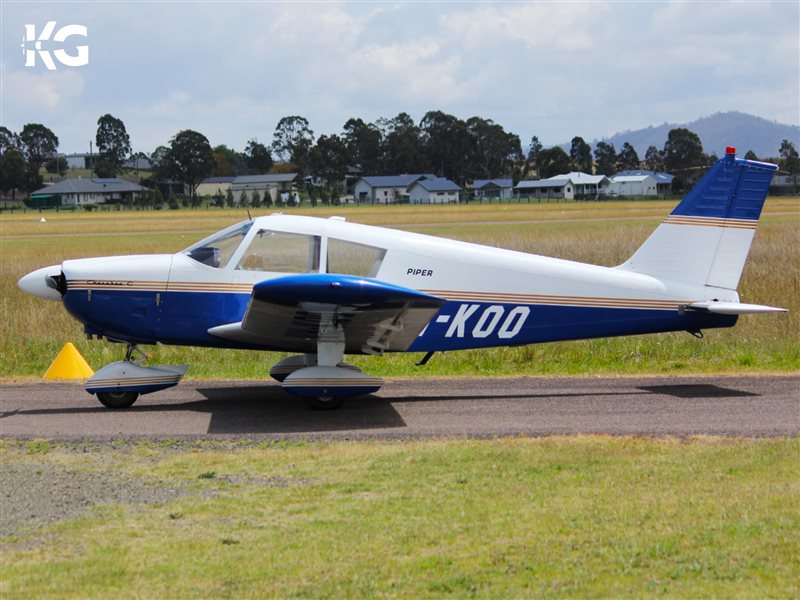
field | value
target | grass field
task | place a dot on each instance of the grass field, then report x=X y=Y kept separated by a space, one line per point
x=555 y=517
x=602 y=233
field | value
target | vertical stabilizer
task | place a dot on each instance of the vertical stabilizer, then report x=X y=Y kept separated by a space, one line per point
x=706 y=238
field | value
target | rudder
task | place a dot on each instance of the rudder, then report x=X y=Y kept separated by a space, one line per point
x=706 y=238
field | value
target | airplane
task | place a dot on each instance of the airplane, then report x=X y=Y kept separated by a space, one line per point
x=323 y=288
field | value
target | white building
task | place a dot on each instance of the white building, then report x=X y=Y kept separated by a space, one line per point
x=633 y=185
x=277 y=185
x=493 y=188
x=568 y=186
x=433 y=191
x=386 y=189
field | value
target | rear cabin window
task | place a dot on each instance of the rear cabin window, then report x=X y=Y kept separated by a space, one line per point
x=280 y=252
x=350 y=258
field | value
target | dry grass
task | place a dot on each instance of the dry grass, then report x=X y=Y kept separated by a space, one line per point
x=601 y=233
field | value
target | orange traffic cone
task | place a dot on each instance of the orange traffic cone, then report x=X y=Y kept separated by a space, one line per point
x=69 y=364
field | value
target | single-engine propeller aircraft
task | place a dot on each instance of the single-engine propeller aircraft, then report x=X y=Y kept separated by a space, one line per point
x=323 y=288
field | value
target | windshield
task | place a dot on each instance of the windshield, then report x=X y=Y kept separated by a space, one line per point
x=216 y=250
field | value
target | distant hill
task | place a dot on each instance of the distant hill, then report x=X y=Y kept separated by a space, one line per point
x=744 y=132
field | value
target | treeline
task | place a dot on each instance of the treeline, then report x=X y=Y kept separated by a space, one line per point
x=442 y=144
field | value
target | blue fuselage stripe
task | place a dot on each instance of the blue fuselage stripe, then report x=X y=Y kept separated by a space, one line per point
x=183 y=318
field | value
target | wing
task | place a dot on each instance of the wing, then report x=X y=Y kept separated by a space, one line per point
x=293 y=313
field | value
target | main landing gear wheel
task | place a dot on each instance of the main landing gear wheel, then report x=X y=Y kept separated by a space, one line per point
x=324 y=402
x=117 y=399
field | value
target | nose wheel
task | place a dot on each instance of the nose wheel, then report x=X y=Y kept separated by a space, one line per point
x=324 y=402
x=117 y=399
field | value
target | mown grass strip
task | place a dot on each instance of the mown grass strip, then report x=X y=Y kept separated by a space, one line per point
x=555 y=517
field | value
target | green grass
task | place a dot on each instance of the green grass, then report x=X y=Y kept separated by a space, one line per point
x=554 y=517
x=602 y=233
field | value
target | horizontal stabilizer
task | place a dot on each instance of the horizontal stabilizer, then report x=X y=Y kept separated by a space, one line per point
x=734 y=308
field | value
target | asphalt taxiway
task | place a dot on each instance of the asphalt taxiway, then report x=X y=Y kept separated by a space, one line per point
x=409 y=408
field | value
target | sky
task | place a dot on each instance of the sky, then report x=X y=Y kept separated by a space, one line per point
x=231 y=70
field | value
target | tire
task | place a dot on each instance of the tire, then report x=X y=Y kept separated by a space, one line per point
x=117 y=399
x=324 y=402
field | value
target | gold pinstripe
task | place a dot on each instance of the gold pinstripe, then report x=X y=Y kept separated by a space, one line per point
x=599 y=302
x=711 y=222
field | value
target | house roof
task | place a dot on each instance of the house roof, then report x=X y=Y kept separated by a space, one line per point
x=482 y=183
x=264 y=178
x=440 y=184
x=218 y=180
x=579 y=178
x=404 y=180
x=542 y=183
x=630 y=178
x=89 y=186
x=660 y=176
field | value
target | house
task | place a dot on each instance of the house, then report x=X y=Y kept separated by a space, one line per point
x=433 y=191
x=493 y=188
x=783 y=183
x=544 y=188
x=86 y=160
x=663 y=180
x=633 y=185
x=82 y=160
x=277 y=185
x=77 y=192
x=386 y=189
x=214 y=185
x=568 y=186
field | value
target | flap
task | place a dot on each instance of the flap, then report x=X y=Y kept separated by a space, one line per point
x=293 y=313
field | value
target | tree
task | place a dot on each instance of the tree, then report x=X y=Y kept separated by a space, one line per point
x=683 y=150
x=218 y=199
x=445 y=141
x=789 y=160
x=13 y=172
x=292 y=140
x=750 y=155
x=553 y=161
x=328 y=159
x=492 y=151
x=654 y=159
x=255 y=199
x=243 y=198
x=580 y=153
x=113 y=145
x=627 y=159
x=257 y=157
x=38 y=143
x=403 y=149
x=532 y=160
x=229 y=201
x=189 y=159
x=363 y=142
x=605 y=157
x=58 y=165
x=8 y=140
x=226 y=161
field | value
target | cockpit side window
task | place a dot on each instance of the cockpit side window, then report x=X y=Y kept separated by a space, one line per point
x=351 y=258
x=281 y=252
x=216 y=251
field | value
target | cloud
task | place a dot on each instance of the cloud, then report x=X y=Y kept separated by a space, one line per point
x=553 y=69
x=47 y=93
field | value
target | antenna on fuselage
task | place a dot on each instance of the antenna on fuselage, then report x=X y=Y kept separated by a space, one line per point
x=248 y=214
